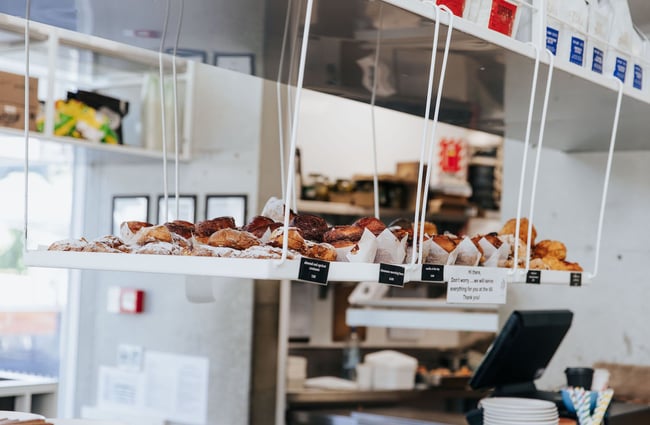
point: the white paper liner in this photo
(367, 249)
(499, 257)
(266, 237)
(390, 250)
(467, 254)
(274, 209)
(426, 249)
(438, 255)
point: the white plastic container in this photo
(599, 27)
(392, 370)
(566, 29)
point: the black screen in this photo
(523, 348)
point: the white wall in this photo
(609, 315)
(225, 157)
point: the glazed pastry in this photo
(445, 242)
(343, 233)
(181, 227)
(232, 238)
(76, 245)
(296, 241)
(548, 248)
(204, 229)
(152, 234)
(311, 226)
(373, 224)
(511, 226)
(128, 229)
(259, 224)
(320, 251)
(158, 248)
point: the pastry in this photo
(201, 250)
(152, 234)
(445, 242)
(538, 264)
(259, 225)
(548, 248)
(100, 247)
(204, 229)
(511, 226)
(158, 248)
(76, 245)
(492, 238)
(320, 251)
(311, 226)
(557, 264)
(128, 229)
(266, 252)
(373, 224)
(181, 227)
(114, 242)
(232, 238)
(343, 233)
(295, 239)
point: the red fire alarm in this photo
(131, 301)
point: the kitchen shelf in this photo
(582, 104)
(242, 267)
(338, 208)
(97, 150)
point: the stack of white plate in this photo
(518, 411)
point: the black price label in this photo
(315, 271)
(534, 277)
(576, 279)
(433, 273)
(391, 275)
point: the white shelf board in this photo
(233, 267)
(422, 319)
(581, 109)
(423, 303)
(102, 150)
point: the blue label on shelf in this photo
(597, 63)
(638, 77)
(621, 68)
(577, 50)
(552, 35)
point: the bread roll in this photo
(511, 226)
(373, 224)
(343, 233)
(232, 238)
(548, 248)
(204, 229)
(296, 241)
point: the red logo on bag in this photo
(502, 16)
(451, 153)
(456, 6)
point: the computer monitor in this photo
(522, 350)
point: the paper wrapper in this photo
(426, 249)
(266, 237)
(390, 250)
(438, 255)
(365, 250)
(494, 257)
(274, 209)
(467, 254)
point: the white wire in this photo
(163, 113)
(522, 178)
(278, 88)
(290, 112)
(176, 126)
(612, 143)
(538, 155)
(434, 124)
(294, 128)
(26, 121)
(425, 131)
(373, 99)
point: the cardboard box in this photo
(12, 100)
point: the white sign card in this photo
(476, 285)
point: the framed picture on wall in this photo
(235, 206)
(129, 208)
(192, 54)
(186, 208)
(240, 62)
